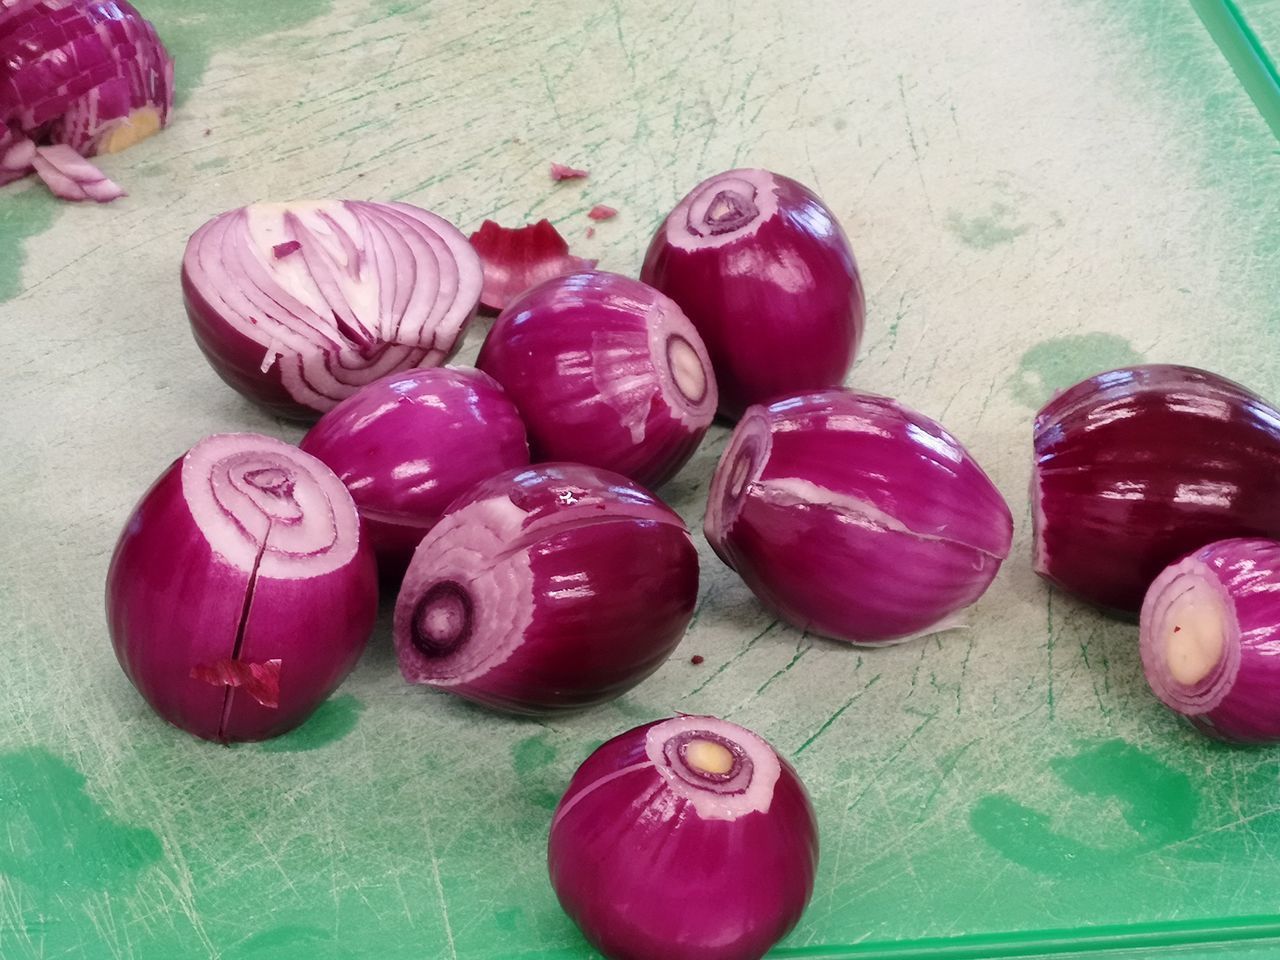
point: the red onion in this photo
(686, 839)
(518, 258)
(241, 592)
(1137, 467)
(605, 371)
(299, 305)
(856, 518)
(602, 211)
(765, 273)
(409, 444)
(550, 588)
(80, 77)
(560, 171)
(1210, 629)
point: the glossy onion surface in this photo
(409, 444)
(760, 265)
(856, 518)
(686, 839)
(299, 305)
(549, 588)
(605, 371)
(1137, 467)
(240, 593)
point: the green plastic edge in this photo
(1245, 53)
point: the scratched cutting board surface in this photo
(1036, 190)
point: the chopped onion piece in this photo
(561, 172)
(71, 177)
(602, 212)
(516, 259)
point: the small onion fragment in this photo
(79, 78)
(560, 171)
(241, 592)
(409, 444)
(762, 268)
(602, 212)
(605, 371)
(855, 517)
(517, 258)
(299, 305)
(685, 839)
(550, 588)
(1210, 628)
(1139, 466)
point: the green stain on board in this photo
(987, 230)
(334, 719)
(194, 30)
(1055, 364)
(56, 838)
(532, 753)
(1157, 806)
(24, 212)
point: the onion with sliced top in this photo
(545, 589)
(299, 305)
(605, 371)
(686, 839)
(79, 78)
(241, 592)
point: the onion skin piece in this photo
(855, 517)
(550, 588)
(518, 258)
(651, 865)
(411, 443)
(193, 585)
(1139, 466)
(762, 268)
(297, 306)
(605, 371)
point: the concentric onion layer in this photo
(762, 268)
(1209, 626)
(240, 593)
(605, 371)
(855, 517)
(544, 589)
(1135, 468)
(687, 839)
(299, 305)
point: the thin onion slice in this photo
(518, 258)
(299, 305)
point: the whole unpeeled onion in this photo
(241, 593)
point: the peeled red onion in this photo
(1137, 467)
(762, 268)
(299, 305)
(241, 593)
(549, 588)
(409, 444)
(79, 78)
(605, 371)
(1210, 629)
(686, 839)
(855, 517)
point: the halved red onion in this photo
(762, 268)
(685, 839)
(1137, 467)
(299, 305)
(1210, 629)
(82, 77)
(855, 517)
(605, 371)
(241, 593)
(550, 588)
(517, 258)
(409, 444)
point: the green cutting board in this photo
(1036, 190)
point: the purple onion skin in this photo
(780, 307)
(645, 874)
(175, 603)
(1139, 466)
(855, 517)
(577, 583)
(411, 443)
(587, 360)
(1237, 699)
